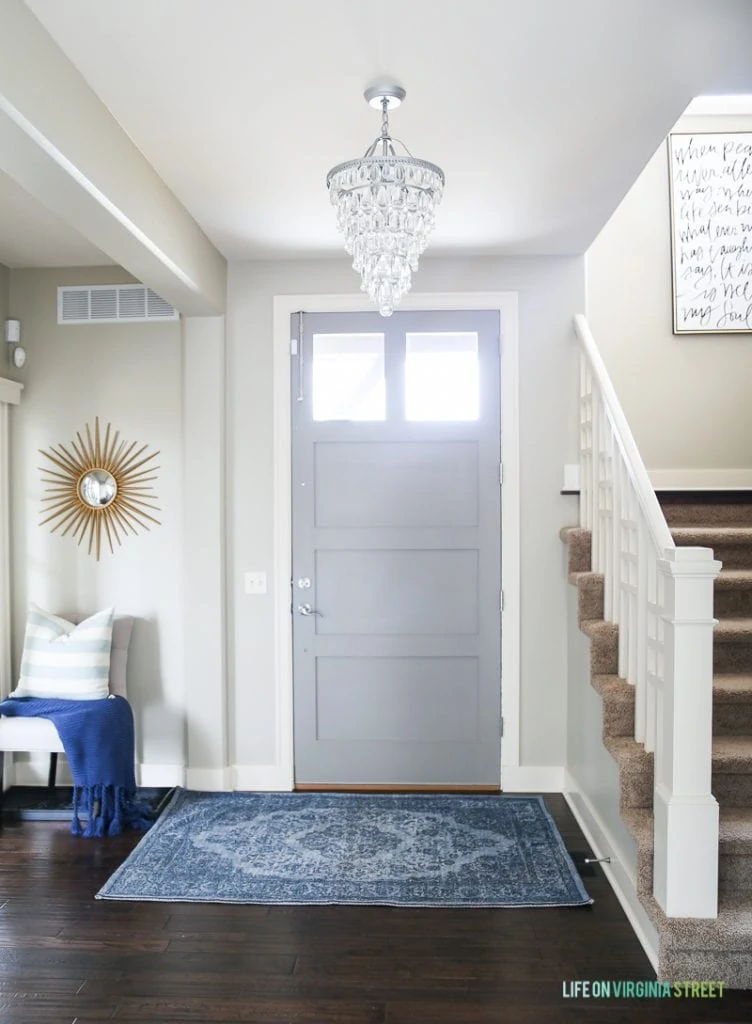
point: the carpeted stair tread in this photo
(614, 688)
(628, 754)
(734, 828)
(732, 593)
(732, 704)
(731, 930)
(729, 688)
(708, 508)
(730, 630)
(574, 534)
(732, 755)
(597, 629)
(734, 848)
(733, 579)
(708, 536)
(583, 574)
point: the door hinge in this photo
(293, 346)
(501, 472)
(501, 727)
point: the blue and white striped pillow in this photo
(64, 660)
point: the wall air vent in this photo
(111, 304)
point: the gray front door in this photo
(397, 549)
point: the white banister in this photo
(661, 597)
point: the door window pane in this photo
(441, 376)
(348, 377)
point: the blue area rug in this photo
(411, 850)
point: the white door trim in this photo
(284, 306)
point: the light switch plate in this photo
(255, 583)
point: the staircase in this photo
(690, 949)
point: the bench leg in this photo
(53, 770)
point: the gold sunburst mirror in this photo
(99, 487)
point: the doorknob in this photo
(305, 609)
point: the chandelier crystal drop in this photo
(386, 205)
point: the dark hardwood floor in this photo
(65, 957)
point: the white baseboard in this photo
(268, 777)
(248, 777)
(34, 773)
(161, 776)
(617, 872)
(545, 778)
(701, 479)
(210, 780)
(261, 777)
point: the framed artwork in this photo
(710, 186)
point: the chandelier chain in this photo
(384, 121)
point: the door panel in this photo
(398, 591)
(366, 699)
(412, 483)
(396, 549)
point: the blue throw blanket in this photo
(98, 740)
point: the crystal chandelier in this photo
(385, 208)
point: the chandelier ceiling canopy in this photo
(386, 205)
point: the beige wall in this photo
(134, 376)
(550, 292)
(130, 375)
(686, 397)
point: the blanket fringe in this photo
(109, 809)
(76, 821)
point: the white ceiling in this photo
(541, 112)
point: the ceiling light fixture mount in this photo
(376, 95)
(386, 205)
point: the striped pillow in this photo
(64, 660)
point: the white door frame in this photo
(284, 306)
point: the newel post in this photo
(685, 880)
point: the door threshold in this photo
(316, 787)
